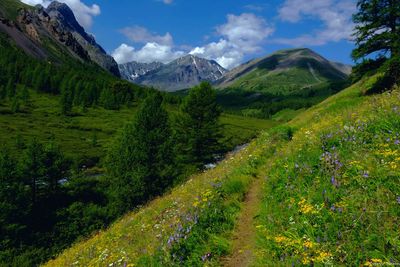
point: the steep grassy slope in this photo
(332, 195)
(331, 180)
(283, 73)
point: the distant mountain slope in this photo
(182, 73)
(132, 70)
(284, 72)
(52, 34)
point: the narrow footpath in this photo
(244, 235)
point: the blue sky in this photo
(229, 31)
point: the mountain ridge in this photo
(280, 63)
(181, 73)
(52, 33)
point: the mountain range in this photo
(282, 71)
(52, 34)
(182, 73)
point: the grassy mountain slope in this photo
(332, 194)
(307, 215)
(288, 79)
(283, 73)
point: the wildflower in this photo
(206, 257)
(306, 208)
(398, 199)
(308, 244)
(365, 174)
(334, 182)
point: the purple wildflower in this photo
(206, 257)
(398, 199)
(397, 142)
(365, 174)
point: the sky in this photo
(228, 31)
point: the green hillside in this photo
(283, 73)
(9, 8)
(330, 179)
(86, 135)
(288, 79)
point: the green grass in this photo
(240, 129)
(332, 194)
(9, 8)
(331, 197)
(75, 134)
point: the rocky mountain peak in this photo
(181, 73)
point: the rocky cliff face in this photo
(133, 70)
(54, 34)
(182, 73)
(62, 14)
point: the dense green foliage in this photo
(198, 130)
(140, 162)
(80, 84)
(377, 39)
(265, 105)
(378, 28)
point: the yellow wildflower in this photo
(306, 207)
(308, 244)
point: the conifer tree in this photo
(140, 162)
(377, 29)
(198, 129)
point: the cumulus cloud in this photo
(241, 35)
(141, 35)
(148, 53)
(84, 13)
(334, 14)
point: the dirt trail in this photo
(245, 232)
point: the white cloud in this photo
(148, 53)
(141, 35)
(334, 14)
(241, 35)
(84, 14)
(167, 2)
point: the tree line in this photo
(79, 84)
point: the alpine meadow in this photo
(199, 133)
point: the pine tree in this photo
(3, 92)
(10, 89)
(377, 29)
(24, 95)
(33, 167)
(66, 101)
(140, 162)
(198, 128)
(14, 202)
(15, 105)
